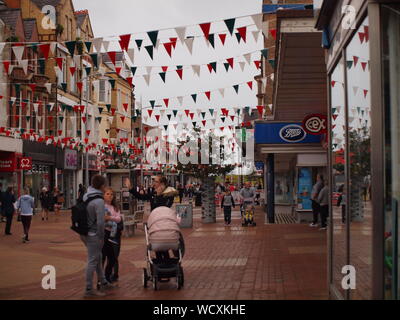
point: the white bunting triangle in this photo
(257, 18)
(265, 29)
(189, 44)
(149, 69)
(145, 118)
(181, 33)
(19, 52)
(242, 65)
(77, 61)
(2, 45)
(256, 35)
(48, 87)
(106, 45)
(97, 42)
(36, 107)
(196, 70)
(24, 65)
(247, 57)
(180, 99)
(131, 54)
(222, 92)
(146, 77)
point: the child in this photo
(114, 227)
(227, 203)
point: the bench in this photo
(131, 221)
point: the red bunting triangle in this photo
(191, 115)
(150, 112)
(32, 86)
(258, 64)
(122, 118)
(250, 84)
(82, 108)
(355, 60)
(206, 29)
(118, 70)
(105, 141)
(222, 37)
(363, 65)
(124, 41)
(113, 111)
(157, 117)
(222, 128)
(173, 41)
(187, 113)
(230, 61)
(166, 101)
(204, 122)
(210, 68)
(333, 84)
(88, 132)
(243, 32)
(113, 56)
(168, 48)
(362, 36)
(59, 132)
(6, 66)
(232, 118)
(126, 106)
(80, 86)
(273, 33)
(260, 110)
(60, 63)
(130, 80)
(72, 70)
(84, 119)
(180, 73)
(164, 69)
(365, 93)
(45, 49)
(366, 32)
(208, 94)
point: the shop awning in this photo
(300, 80)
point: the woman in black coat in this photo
(161, 197)
(7, 202)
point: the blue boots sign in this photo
(283, 133)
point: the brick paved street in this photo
(285, 261)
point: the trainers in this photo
(313, 224)
(107, 286)
(93, 293)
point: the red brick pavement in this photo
(265, 262)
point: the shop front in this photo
(94, 166)
(364, 84)
(42, 172)
(293, 159)
(67, 166)
(10, 172)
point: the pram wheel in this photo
(145, 278)
(180, 279)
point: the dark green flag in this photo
(71, 45)
(236, 87)
(230, 23)
(94, 57)
(112, 82)
(211, 39)
(133, 70)
(227, 65)
(64, 86)
(88, 45)
(150, 51)
(153, 35)
(139, 43)
(194, 96)
(162, 75)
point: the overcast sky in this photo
(117, 17)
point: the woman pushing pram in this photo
(163, 236)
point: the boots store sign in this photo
(283, 133)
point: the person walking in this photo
(25, 207)
(57, 200)
(314, 199)
(323, 200)
(44, 198)
(94, 240)
(181, 191)
(112, 219)
(7, 206)
(2, 214)
(163, 196)
(81, 192)
(227, 203)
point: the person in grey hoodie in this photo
(25, 206)
(323, 200)
(95, 239)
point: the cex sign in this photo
(25, 163)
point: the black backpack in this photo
(79, 216)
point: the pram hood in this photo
(163, 225)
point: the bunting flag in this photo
(150, 51)
(194, 96)
(45, 49)
(273, 33)
(226, 65)
(48, 87)
(256, 35)
(168, 47)
(153, 35)
(211, 40)
(94, 57)
(152, 103)
(230, 23)
(205, 27)
(124, 42)
(250, 84)
(97, 43)
(258, 63)
(88, 45)
(113, 57)
(112, 82)
(208, 95)
(222, 37)
(181, 32)
(196, 70)
(243, 33)
(180, 73)
(71, 47)
(265, 53)
(139, 43)
(189, 44)
(72, 70)
(166, 102)
(6, 65)
(18, 52)
(230, 61)
(133, 70)
(162, 75)
(238, 37)
(236, 87)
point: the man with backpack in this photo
(94, 238)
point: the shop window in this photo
(391, 79)
(338, 187)
(359, 139)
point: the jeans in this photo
(324, 215)
(94, 247)
(8, 223)
(316, 211)
(26, 223)
(227, 214)
(109, 254)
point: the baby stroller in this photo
(162, 236)
(247, 212)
